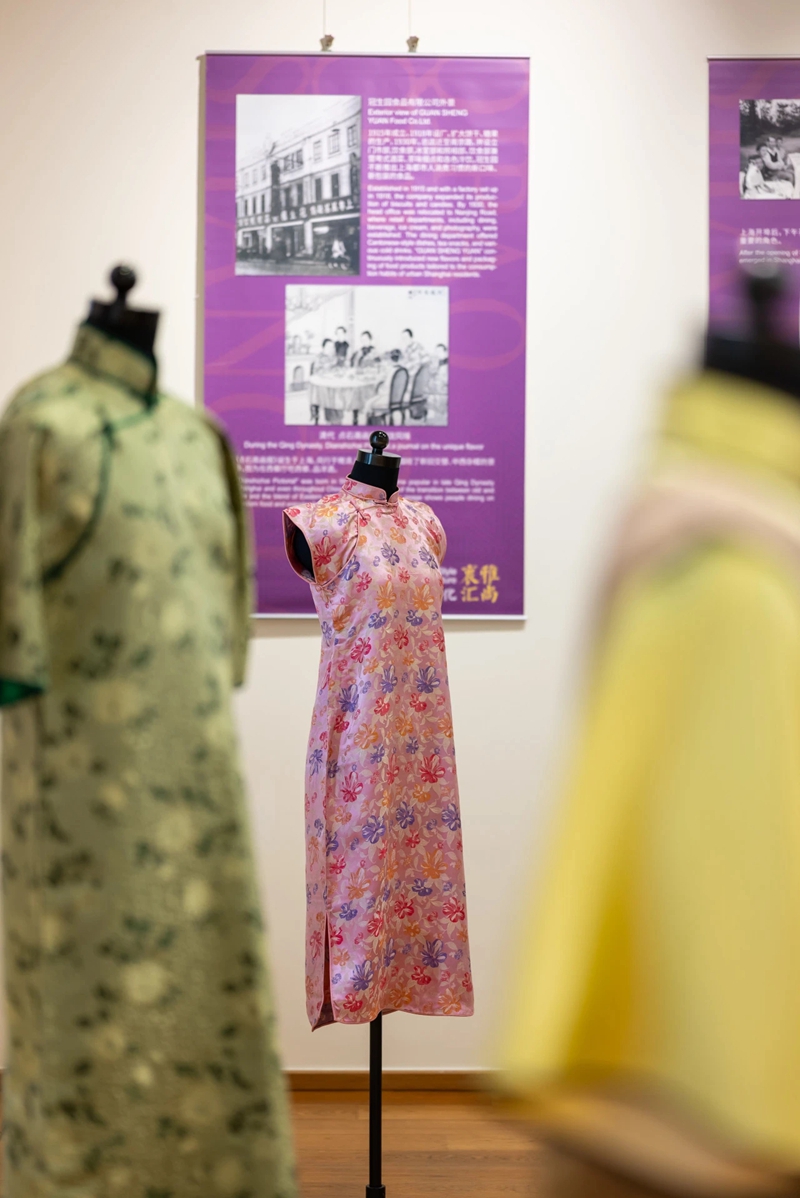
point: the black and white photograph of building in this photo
(769, 146)
(298, 185)
(368, 355)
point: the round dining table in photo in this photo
(337, 392)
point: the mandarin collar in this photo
(363, 491)
(111, 359)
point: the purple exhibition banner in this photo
(754, 141)
(365, 237)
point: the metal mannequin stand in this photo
(375, 1189)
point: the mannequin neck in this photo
(772, 364)
(136, 328)
(382, 477)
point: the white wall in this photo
(98, 153)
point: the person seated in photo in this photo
(341, 346)
(325, 359)
(438, 386)
(776, 164)
(771, 172)
(412, 353)
(753, 185)
(365, 355)
(439, 370)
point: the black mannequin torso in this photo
(302, 551)
(136, 327)
(375, 469)
(763, 357)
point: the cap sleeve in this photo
(23, 641)
(437, 538)
(244, 595)
(330, 528)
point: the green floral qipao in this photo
(141, 1060)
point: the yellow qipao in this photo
(656, 1013)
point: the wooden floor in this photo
(436, 1145)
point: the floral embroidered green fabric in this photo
(141, 1056)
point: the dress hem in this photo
(316, 1026)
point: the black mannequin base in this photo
(375, 1189)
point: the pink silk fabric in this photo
(386, 906)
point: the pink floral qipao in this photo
(385, 874)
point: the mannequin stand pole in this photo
(375, 1189)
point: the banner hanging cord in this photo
(326, 41)
(412, 41)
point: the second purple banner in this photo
(365, 267)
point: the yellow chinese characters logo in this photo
(478, 584)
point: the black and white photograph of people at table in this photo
(769, 143)
(367, 355)
(298, 185)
